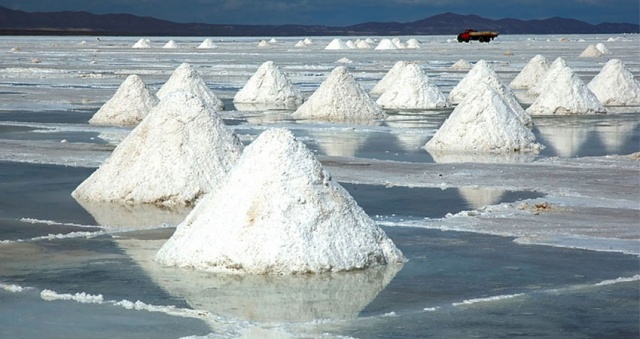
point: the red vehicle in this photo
(472, 34)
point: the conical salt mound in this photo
(565, 93)
(412, 90)
(385, 44)
(186, 78)
(337, 44)
(340, 98)
(591, 52)
(170, 44)
(461, 65)
(300, 44)
(615, 85)
(532, 72)
(179, 152)
(142, 43)
(363, 45)
(602, 48)
(483, 73)
(483, 122)
(207, 43)
(413, 44)
(388, 78)
(128, 106)
(269, 86)
(278, 212)
(539, 87)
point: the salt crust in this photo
(615, 85)
(179, 152)
(186, 78)
(142, 43)
(388, 78)
(532, 72)
(340, 98)
(207, 43)
(591, 52)
(412, 90)
(128, 106)
(336, 44)
(483, 73)
(565, 93)
(483, 122)
(269, 86)
(544, 81)
(278, 212)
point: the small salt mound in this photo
(532, 72)
(363, 45)
(350, 44)
(307, 41)
(385, 44)
(388, 78)
(565, 94)
(369, 41)
(396, 42)
(336, 44)
(142, 43)
(263, 43)
(131, 102)
(186, 78)
(412, 90)
(300, 44)
(591, 52)
(602, 48)
(340, 98)
(179, 152)
(413, 44)
(278, 212)
(461, 65)
(170, 44)
(207, 43)
(269, 86)
(273, 41)
(615, 85)
(483, 122)
(344, 61)
(544, 81)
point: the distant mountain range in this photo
(14, 22)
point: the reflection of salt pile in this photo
(461, 65)
(270, 87)
(170, 44)
(483, 122)
(340, 98)
(565, 140)
(207, 43)
(131, 102)
(565, 93)
(388, 78)
(615, 85)
(412, 90)
(339, 143)
(385, 44)
(177, 153)
(478, 198)
(591, 52)
(278, 212)
(483, 73)
(186, 78)
(602, 48)
(532, 72)
(118, 216)
(615, 135)
(337, 44)
(142, 43)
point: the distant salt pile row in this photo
(308, 223)
(268, 88)
(384, 44)
(595, 51)
(171, 44)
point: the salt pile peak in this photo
(544, 81)
(170, 44)
(412, 90)
(591, 52)
(142, 43)
(615, 85)
(336, 44)
(532, 72)
(207, 43)
(413, 44)
(388, 78)
(483, 122)
(179, 152)
(565, 93)
(340, 98)
(269, 86)
(278, 212)
(186, 78)
(385, 44)
(128, 106)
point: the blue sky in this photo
(341, 12)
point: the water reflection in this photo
(116, 215)
(479, 197)
(615, 135)
(444, 157)
(566, 140)
(339, 142)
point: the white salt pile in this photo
(362, 44)
(170, 44)
(300, 44)
(544, 81)
(396, 42)
(278, 212)
(344, 61)
(602, 48)
(336, 44)
(269, 86)
(350, 44)
(483, 122)
(128, 106)
(388, 78)
(615, 85)
(591, 52)
(179, 152)
(142, 43)
(413, 44)
(207, 43)
(308, 41)
(340, 98)
(565, 93)
(412, 90)
(532, 72)
(273, 41)
(263, 43)
(186, 78)
(385, 44)
(461, 65)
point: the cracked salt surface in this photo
(560, 259)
